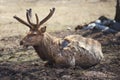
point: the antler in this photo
(29, 16)
(37, 19)
(47, 17)
(22, 21)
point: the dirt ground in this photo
(17, 63)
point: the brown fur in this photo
(77, 50)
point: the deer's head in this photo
(36, 33)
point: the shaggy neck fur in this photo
(46, 47)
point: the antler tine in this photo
(22, 21)
(47, 17)
(29, 15)
(30, 12)
(37, 19)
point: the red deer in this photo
(61, 52)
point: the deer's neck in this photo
(46, 48)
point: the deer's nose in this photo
(21, 42)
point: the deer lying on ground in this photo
(61, 52)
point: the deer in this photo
(70, 51)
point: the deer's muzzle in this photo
(24, 46)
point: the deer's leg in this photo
(65, 61)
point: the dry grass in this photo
(69, 13)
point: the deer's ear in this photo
(43, 29)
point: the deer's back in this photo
(87, 43)
(87, 51)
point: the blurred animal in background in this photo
(103, 24)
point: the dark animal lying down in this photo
(103, 24)
(61, 52)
